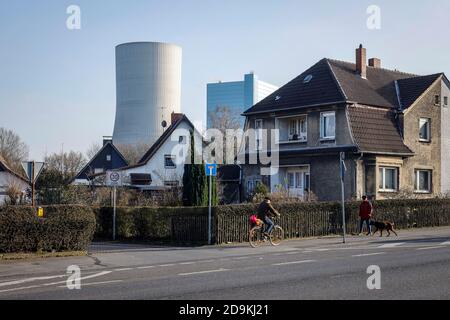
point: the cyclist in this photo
(265, 211)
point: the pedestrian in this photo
(365, 214)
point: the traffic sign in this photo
(211, 169)
(113, 179)
(32, 169)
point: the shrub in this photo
(65, 228)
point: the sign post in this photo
(211, 171)
(114, 179)
(32, 170)
(343, 169)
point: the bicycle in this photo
(256, 237)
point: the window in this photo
(181, 140)
(98, 170)
(298, 129)
(424, 130)
(445, 101)
(108, 158)
(328, 125)
(258, 133)
(169, 162)
(423, 181)
(251, 186)
(388, 179)
(437, 99)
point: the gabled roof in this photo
(6, 168)
(374, 131)
(335, 82)
(108, 144)
(412, 88)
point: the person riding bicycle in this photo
(265, 212)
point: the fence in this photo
(231, 223)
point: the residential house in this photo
(392, 127)
(9, 179)
(107, 158)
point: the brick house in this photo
(393, 127)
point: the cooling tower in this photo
(148, 90)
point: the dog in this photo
(381, 226)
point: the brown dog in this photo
(381, 226)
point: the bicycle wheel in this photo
(277, 236)
(255, 237)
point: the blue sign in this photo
(211, 169)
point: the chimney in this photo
(175, 117)
(375, 62)
(107, 139)
(361, 61)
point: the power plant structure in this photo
(148, 90)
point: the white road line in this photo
(392, 245)
(446, 243)
(166, 265)
(291, 253)
(11, 283)
(123, 269)
(20, 288)
(208, 261)
(146, 267)
(293, 262)
(241, 258)
(368, 254)
(429, 248)
(187, 263)
(202, 272)
(95, 283)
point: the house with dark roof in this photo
(162, 166)
(10, 178)
(107, 158)
(392, 127)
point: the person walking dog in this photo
(365, 214)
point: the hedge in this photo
(64, 228)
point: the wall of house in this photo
(6, 179)
(445, 140)
(155, 166)
(427, 154)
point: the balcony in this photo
(292, 129)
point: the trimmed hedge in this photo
(64, 228)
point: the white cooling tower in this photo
(148, 90)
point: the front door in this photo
(298, 182)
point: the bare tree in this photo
(93, 150)
(12, 149)
(68, 164)
(133, 153)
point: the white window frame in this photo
(302, 135)
(427, 121)
(383, 178)
(173, 158)
(417, 178)
(323, 116)
(258, 134)
(108, 158)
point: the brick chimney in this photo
(175, 117)
(375, 62)
(361, 61)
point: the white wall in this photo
(445, 141)
(6, 179)
(155, 166)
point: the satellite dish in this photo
(164, 124)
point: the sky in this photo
(57, 86)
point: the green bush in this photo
(64, 228)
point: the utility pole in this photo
(343, 169)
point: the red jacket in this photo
(365, 210)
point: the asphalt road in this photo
(416, 265)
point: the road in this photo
(415, 265)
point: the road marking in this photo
(446, 243)
(4, 284)
(391, 245)
(241, 258)
(429, 248)
(20, 288)
(202, 272)
(292, 253)
(368, 254)
(208, 261)
(146, 267)
(187, 263)
(293, 262)
(123, 269)
(166, 265)
(96, 283)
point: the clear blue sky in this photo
(58, 86)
